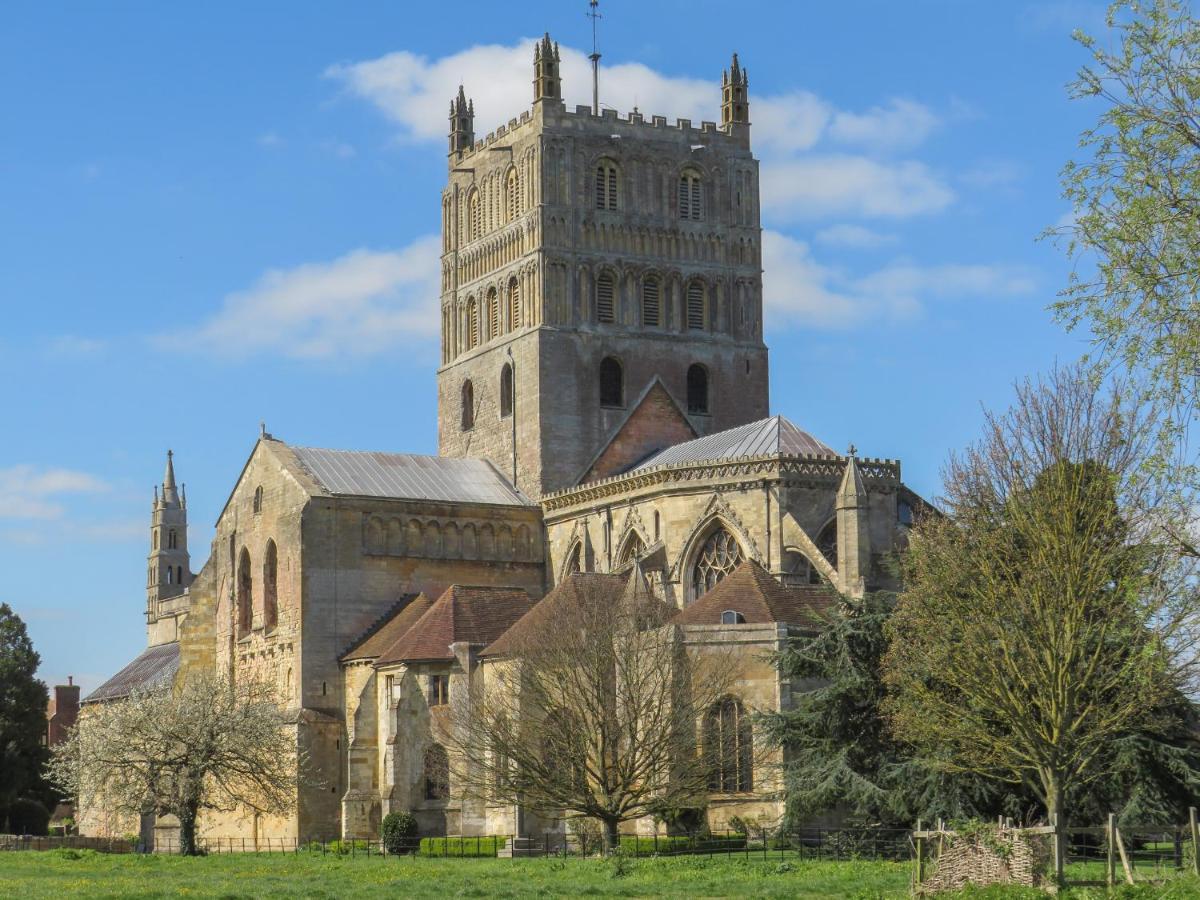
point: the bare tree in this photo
(1045, 614)
(203, 745)
(593, 708)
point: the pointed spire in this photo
(853, 490)
(170, 493)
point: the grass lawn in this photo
(29, 875)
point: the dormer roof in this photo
(760, 599)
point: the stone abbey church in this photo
(603, 401)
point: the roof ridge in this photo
(382, 620)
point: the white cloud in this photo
(901, 124)
(820, 186)
(799, 290)
(993, 173)
(853, 236)
(360, 304)
(270, 139)
(33, 492)
(74, 346)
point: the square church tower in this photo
(586, 256)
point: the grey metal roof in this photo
(152, 667)
(407, 476)
(767, 437)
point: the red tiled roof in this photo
(761, 599)
(380, 637)
(476, 615)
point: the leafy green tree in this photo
(1041, 621)
(1135, 234)
(23, 700)
(840, 753)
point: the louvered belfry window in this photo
(651, 303)
(691, 197)
(605, 310)
(472, 323)
(606, 186)
(695, 306)
(493, 314)
(514, 304)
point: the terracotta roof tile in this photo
(761, 599)
(476, 615)
(392, 626)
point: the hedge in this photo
(484, 845)
(681, 843)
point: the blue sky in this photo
(215, 214)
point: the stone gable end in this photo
(657, 422)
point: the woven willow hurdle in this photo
(995, 855)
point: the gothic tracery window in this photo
(827, 544)
(728, 747)
(719, 555)
(574, 561)
(633, 549)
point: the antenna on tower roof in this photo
(593, 13)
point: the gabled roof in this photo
(475, 615)
(154, 666)
(545, 616)
(654, 421)
(761, 599)
(407, 476)
(775, 436)
(389, 628)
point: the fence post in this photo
(1195, 829)
(920, 842)
(1111, 834)
(1058, 851)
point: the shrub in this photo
(398, 832)
(586, 833)
(484, 845)
(26, 816)
(342, 848)
(637, 845)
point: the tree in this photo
(23, 700)
(593, 710)
(1041, 619)
(1136, 203)
(840, 753)
(204, 744)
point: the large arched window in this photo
(697, 389)
(245, 594)
(436, 773)
(512, 195)
(606, 184)
(606, 308)
(468, 405)
(270, 589)
(472, 323)
(719, 555)
(493, 312)
(691, 195)
(697, 307)
(728, 747)
(506, 390)
(633, 549)
(612, 382)
(651, 301)
(514, 304)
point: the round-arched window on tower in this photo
(468, 405)
(719, 555)
(612, 382)
(506, 391)
(697, 389)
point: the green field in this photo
(28, 875)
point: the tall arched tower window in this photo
(472, 323)
(512, 195)
(474, 216)
(493, 307)
(651, 301)
(697, 389)
(245, 594)
(514, 304)
(506, 390)
(270, 590)
(172, 539)
(605, 298)
(719, 555)
(729, 747)
(468, 405)
(691, 195)
(612, 382)
(697, 307)
(606, 184)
